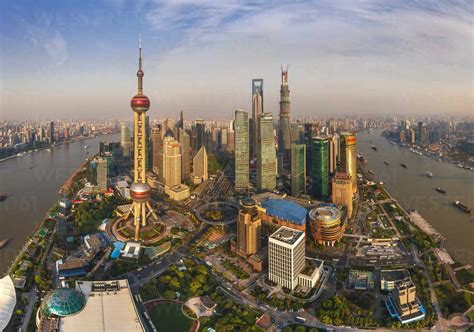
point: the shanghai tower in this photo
(284, 138)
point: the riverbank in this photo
(33, 190)
(67, 185)
(52, 146)
(413, 190)
(46, 218)
(463, 163)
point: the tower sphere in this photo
(140, 191)
(140, 103)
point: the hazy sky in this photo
(78, 59)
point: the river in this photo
(413, 189)
(32, 183)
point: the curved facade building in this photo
(326, 225)
(7, 301)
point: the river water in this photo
(413, 189)
(32, 191)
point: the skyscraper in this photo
(342, 191)
(140, 189)
(248, 227)
(284, 136)
(266, 154)
(257, 109)
(319, 171)
(156, 145)
(171, 160)
(148, 147)
(185, 142)
(51, 132)
(102, 174)
(223, 139)
(230, 137)
(200, 134)
(348, 157)
(309, 133)
(241, 150)
(298, 169)
(332, 141)
(419, 133)
(200, 165)
(125, 141)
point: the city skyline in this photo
(200, 57)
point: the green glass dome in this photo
(62, 302)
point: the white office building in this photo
(286, 256)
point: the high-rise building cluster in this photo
(300, 158)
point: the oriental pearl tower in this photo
(140, 190)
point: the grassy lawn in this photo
(464, 277)
(451, 301)
(168, 317)
(471, 316)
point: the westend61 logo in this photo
(13, 203)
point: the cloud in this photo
(49, 40)
(407, 54)
(56, 48)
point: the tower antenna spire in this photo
(140, 73)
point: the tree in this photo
(174, 283)
(169, 294)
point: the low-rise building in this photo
(310, 274)
(7, 301)
(326, 224)
(361, 280)
(92, 306)
(178, 193)
(403, 304)
(281, 212)
(132, 250)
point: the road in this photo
(31, 301)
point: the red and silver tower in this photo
(140, 190)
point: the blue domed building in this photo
(61, 302)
